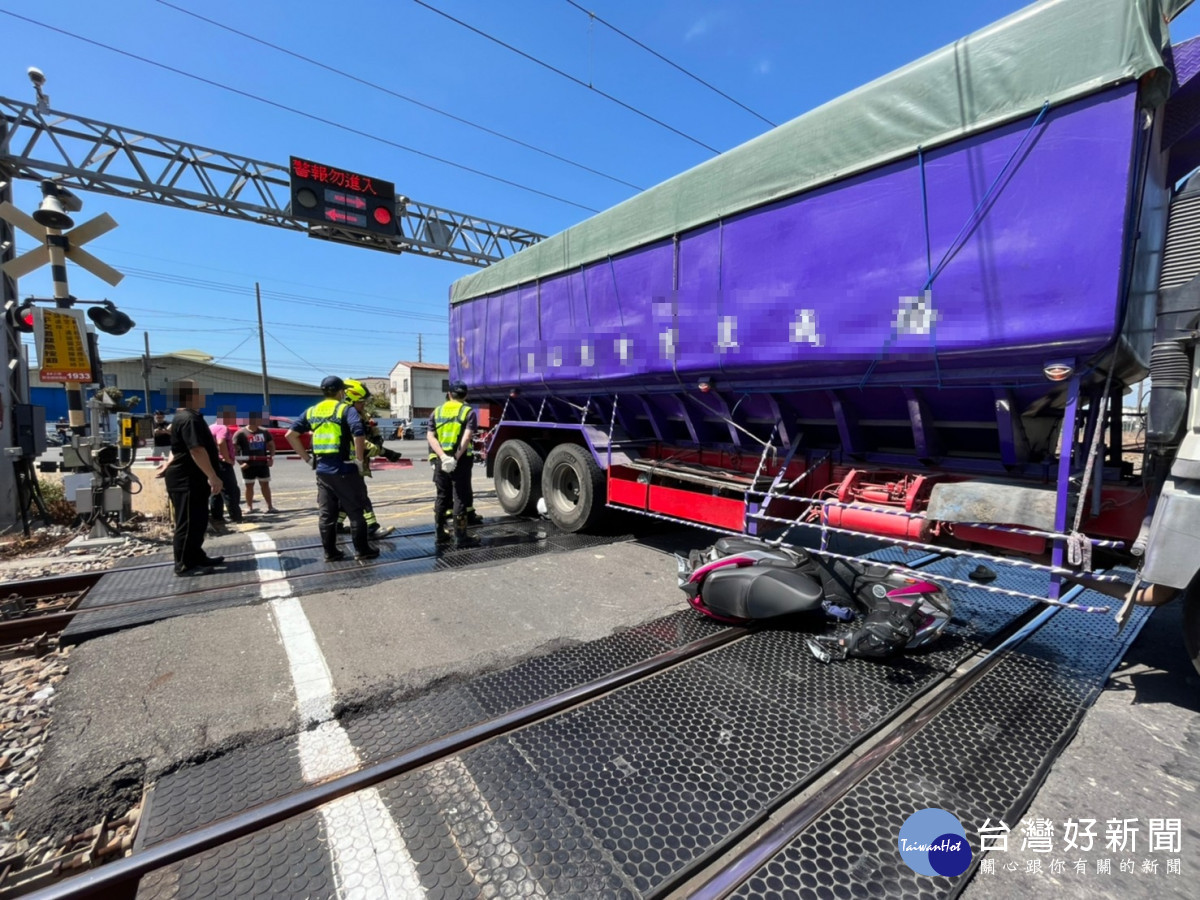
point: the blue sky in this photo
(332, 308)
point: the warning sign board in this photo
(62, 345)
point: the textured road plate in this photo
(409, 551)
(976, 759)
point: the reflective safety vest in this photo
(326, 419)
(448, 421)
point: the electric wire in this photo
(291, 351)
(568, 76)
(249, 277)
(378, 87)
(657, 55)
(299, 299)
(299, 112)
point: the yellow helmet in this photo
(356, 391)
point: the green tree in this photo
(377, 406)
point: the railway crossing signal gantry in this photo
(88, 155)
(83, 154)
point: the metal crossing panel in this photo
(621, 795)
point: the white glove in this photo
(449, 464)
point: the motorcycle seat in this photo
(760, 592)
(768, 555)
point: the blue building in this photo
(222, 385)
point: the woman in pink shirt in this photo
(231, 496)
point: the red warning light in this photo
(383, 215)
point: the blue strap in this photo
(954, 245)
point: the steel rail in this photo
(252, 579)
(49, 585)
(753, 857)
(54, 620)
(123, 874)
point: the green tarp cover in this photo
(1055, 50)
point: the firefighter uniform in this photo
(357, 393)
(448, 425)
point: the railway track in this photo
(698, 769)
(38, 606)
(48, 605)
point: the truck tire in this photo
(573, 486)
(518, 478)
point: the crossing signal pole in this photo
(64, 352)
(47, 224)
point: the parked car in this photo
(278, 428)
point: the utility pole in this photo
(262, 350)
(10, 350)
(420, 358)
(146, 372)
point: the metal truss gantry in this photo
(103, 158)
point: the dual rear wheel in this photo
(568, 479)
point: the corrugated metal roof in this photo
(213, 376)
(441, 367)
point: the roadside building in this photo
(222, 385)
(379, 386)
(417, 388)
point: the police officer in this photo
(339, 457)
(451, 428)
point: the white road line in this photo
(270, 567)
(369, 855)
(473, 824)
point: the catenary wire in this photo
(657, 55)
(300, 112)
(568, 76)
(378, 87)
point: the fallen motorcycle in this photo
(739, 580)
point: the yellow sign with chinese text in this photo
(62, 345)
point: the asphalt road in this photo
(142, 702)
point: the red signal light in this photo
(383, 215)
(20, 316)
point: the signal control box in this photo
(129, 431)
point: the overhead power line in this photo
(657, 55)
(299, 112)
(568, 76)
(399, 96)
(285, 296)
(293, 352)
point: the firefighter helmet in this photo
(356, 391)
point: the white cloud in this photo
(698, 29)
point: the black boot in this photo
(461, 538)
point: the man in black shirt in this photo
(162, 430)
(191, 477)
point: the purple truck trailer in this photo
(912, 313)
